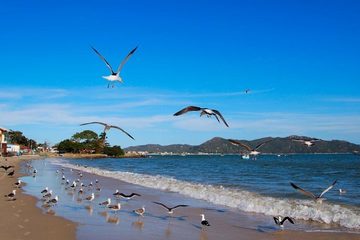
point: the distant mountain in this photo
(277, 145)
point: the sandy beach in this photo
(21, 219)
(87, 220)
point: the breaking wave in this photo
(247, 201)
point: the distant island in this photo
(278, 145)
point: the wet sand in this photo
(95, 221)
(21, 219)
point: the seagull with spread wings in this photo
(318, 198)
(115, 76)
(252, 151)
(203, 111)
(107, 127)
(308, 143)
(170, 209)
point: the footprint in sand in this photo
(26, 220)
(27, 233)
(21, 226)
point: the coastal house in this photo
(3, 140)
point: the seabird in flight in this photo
(108, 126)
(252, 151)
(130, 196)
(170, 209)
(308, 143)
(310, 194)
(10, 174)
(203, 221)
(280, 220)
(204, 111)
(114, 76)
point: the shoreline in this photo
(22, 219)
(234, 224)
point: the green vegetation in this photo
(89, 142)
(17, 137)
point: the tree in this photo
(17, 137)
(85, 136)
(114, 151)
(69, 146)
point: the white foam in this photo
(243, 200)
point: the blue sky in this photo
(299, 58)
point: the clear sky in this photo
(299, 58)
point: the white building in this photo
(3, 140)
(13, 148)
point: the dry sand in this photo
(21, 219)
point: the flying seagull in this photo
(130, 196)
(203, 221)
(107, 127)
(308, 143)
(170, 209)
(280, 220)
(204, 111)
(11, 173)
(310, 194)
(115, 76)
(6, 167)
(252, 151)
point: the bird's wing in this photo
(181, 205)
(237, 143)
(93, 123)
(309, 194)
(217, 118)
(276, 220)
(187, 109)
(261, 144)
(102, 58)
(123, 131)
(219, 114)
(161, 204)
(328, 189)
(135, 194)
(125, 60)
(287, 218)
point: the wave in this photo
(240, 199)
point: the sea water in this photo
(256, 186)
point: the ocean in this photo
(259, 186)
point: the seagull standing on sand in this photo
(105, 203)
(252, 151)
(45, 190)
(48, 194)
(203, 111)
(91, 197)
(54, 200)
(108, 126)
(170, 209)
(203, 221)
(115, 76)
(18, 183)
(140, 211)
(115, 207)
(318, 198)
(11, 195)
(280, 220)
